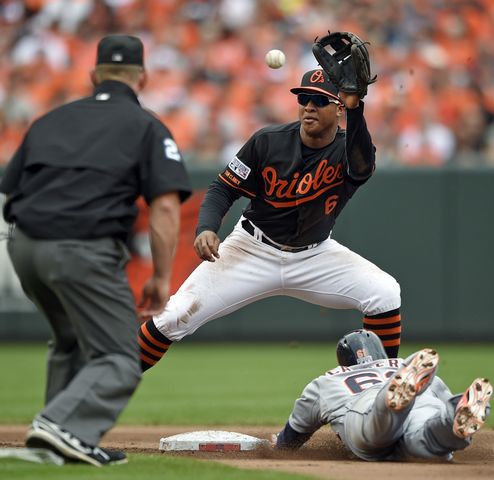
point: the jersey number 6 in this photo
(330, 204)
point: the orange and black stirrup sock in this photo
(387, 326)
(152, 343)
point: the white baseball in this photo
(275, 58)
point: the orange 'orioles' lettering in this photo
(325, 176)
(276, 187)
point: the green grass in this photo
(220, 384)
(149, 467)
(204, 384)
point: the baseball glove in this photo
(349, 66)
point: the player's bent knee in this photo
(392, 291)
(181, 317)
(385, 296)
(173, 330)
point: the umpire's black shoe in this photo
(46, 434)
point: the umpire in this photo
(71, 189)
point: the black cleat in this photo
(46, 434)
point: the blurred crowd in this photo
(433, 104)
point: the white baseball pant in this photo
(329, 275)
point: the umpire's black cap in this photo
(317, 81)
(120, 50)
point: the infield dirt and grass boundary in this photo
(323, 457)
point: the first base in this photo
(210, 441)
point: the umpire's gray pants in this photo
(93, 365)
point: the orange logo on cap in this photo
(317, 77)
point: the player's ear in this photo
(340, 109)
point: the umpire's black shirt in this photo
(81, 167)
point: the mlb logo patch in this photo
(239, 168)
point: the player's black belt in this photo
(249, 228)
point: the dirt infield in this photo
(323, 456)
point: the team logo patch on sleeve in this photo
(239, 168)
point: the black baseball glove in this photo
(349, 66)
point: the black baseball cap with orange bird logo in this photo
(317, 82)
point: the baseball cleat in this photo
(471, 410)
(412, 379)
(49, 435)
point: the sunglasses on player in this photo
(318, 100)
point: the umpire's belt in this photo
(256, 233)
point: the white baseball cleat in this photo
(412, 379)
(471, 410)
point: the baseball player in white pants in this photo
(298, 176)
(387, 409)
(248, 270)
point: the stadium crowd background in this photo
(433, 104)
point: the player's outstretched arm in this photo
(361, 153)
(290, 439)
(345, 58)
(206, 245)
(304, 420)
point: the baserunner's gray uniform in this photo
(352, 400)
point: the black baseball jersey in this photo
(296, 193)
(81, 167)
